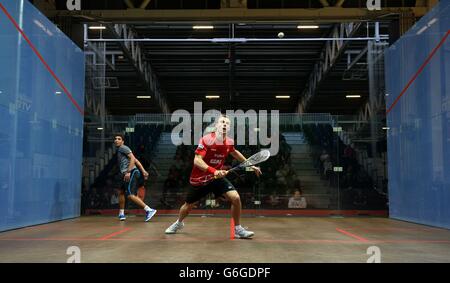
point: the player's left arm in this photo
(135, 161)
(141, 168)
(241, 158)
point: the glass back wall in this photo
(322, 164)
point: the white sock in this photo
(237, 227)
(146, 208)
(122, 211)
(178, 222)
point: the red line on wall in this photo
(422, 67)
(38, 54)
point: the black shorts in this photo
(136, 181)
(218, 187)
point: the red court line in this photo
(411, 241)
(361, 239)
(114, 234)
(50, 239)
(422, 67)
(388, 229)
(38, 54)
(259, 240)
(232, 229)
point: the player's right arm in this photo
(200, 163)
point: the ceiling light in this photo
(353, 96)
(99, 129)
(212, 96)
(143, 96)
(97, 27)
(283, 96)
(307, 27)
(203, 27)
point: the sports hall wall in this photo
(418, 65)
(41, 128)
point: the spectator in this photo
(349, 155)
(349, 151)
(282, 175)
(274, 200)
(297, 200)
(324, 156)
(327, 168)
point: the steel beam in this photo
(236, 40)
(322, 15)
(135, 53)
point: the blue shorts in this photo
(136, 181)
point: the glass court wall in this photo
(41, 129)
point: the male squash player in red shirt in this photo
(207, 176)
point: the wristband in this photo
(211, 170)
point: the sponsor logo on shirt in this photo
(214, 161)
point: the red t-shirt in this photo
(214, 154)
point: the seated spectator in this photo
(349, 156)
(282, 175)
(327, 167)
(324, 155)
(297, 200)
(274, 200)
(349, 151)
